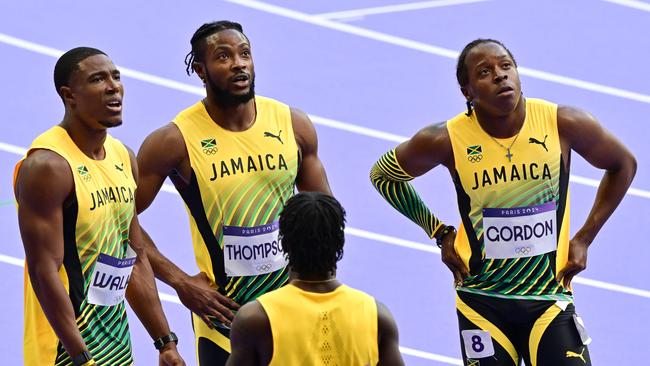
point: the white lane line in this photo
(430, 356)
(360, 13)
(612, 287)
(138, 75)
(365, 131)
(174, 299)
(12, 149)
(12, 260)
(434, 50)
(639, 5)
(391, 240)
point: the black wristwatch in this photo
(162, 341)
(81, 358)
(443, 232)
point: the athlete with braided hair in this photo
(331, 323)
(512, 258)
(235, 158)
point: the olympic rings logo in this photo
(475, 158)
(523, 250)
(210, 151)
(263, 267)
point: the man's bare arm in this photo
(43, 184)
(581, 132)
(389, 354)
(251, 340)
(142, 293)
(311, 172)
(391, 175)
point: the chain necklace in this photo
(509, 155)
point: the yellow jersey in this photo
(337, 328)
(96, 224)
(513, 198)
(239, 184)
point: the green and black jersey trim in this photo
(392, 182)
(518, 278)
(192, 198)
(105, 329)
(240, 289)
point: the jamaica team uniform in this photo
(97, 258)
(514, 238)
(335, 328)
(239, 184)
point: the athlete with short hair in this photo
(512, 258)
(76, 189)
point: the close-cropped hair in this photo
(69, 62)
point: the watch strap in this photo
(443, 232)
(83, 359)
(162, 341)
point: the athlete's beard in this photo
(227, 99)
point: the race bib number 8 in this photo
(251, 251)
(519, 231)
(478, 343)
(109, 280)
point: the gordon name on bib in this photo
(519, 231)
(251, 251)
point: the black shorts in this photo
(501, 332)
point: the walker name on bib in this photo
(109, 280)
(519, 231)
(251, 251)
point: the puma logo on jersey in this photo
(120, 167)
(570, 354)
(533, 140)
(269, 134)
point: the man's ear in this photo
(67, 96)
(199, 69)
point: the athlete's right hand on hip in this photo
(200, 295)
(452, 260)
